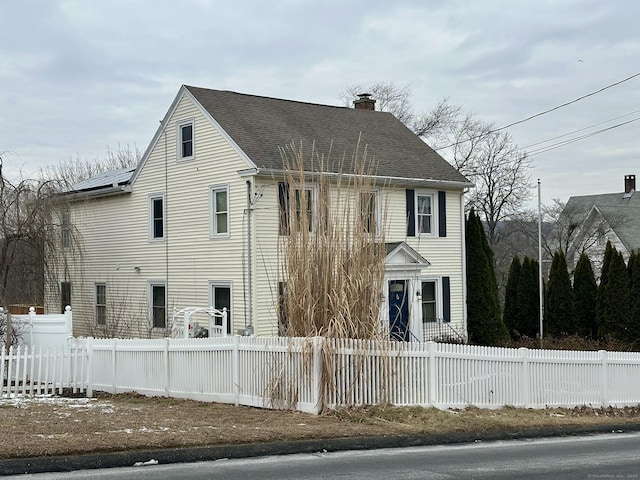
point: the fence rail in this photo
(316, 373)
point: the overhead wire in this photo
(531, 117)
(576, 139)
(578, 130)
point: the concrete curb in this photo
(70, 463)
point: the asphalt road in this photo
(610, 456)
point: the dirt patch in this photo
(59, 425)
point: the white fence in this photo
(311, 374)
(51, 331)
(34, 371)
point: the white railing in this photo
(312, 374)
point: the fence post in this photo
(604, 378)
(113, 366)
(525, 401)
(167, 370)
(431, 373)
(235, 367)
(68, 320)
(89, 346)
(317, 374)
(32, 315)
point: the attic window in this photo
(185, 146)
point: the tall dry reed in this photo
(332, 261)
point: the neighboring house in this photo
(613, 217)
(173, 233)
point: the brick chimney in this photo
(364, 102)
(629, 183)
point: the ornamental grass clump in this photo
(332, 260)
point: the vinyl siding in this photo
(115, 231)
(115, 239)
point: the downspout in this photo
(248, 329)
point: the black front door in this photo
(398, 310)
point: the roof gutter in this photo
(98, 192)
(388, 180)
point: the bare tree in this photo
(489, 158)
(25, 220)
(73, 170)
(396, 99)
(500, 172)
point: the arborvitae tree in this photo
(510, 316)
(604, 276)
(584, 297)
(528, 320)
(616, 301)
(633, 267)
(559, 308)
(483, 305)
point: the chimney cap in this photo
(364, 95)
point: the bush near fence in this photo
(317, 373)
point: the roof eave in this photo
(388, 180)
(97, 192)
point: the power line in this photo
(576, 131)
(576, 139)
(544, 112)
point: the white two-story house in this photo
(197, 223)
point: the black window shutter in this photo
(446, 299)
(442, 214)
(411, 213)
(283, 202)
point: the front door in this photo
(399, 310)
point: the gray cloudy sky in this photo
(79, 76)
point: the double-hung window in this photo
(429, 301)
(158, 304)
(156, 217)
(424, 213)
(220, 210)
(185, 140)
(436, 299)
(101, 304)
(369, 211)
(65, 224)
(296, 209)
(303, 205)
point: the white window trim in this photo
(212, 191)
(439, 299)
(179, 125)
(152, 197)
(377, 210)
(314, 206)
(96, 305)
(434, 213)
(65, 228)
(226, 284)
(150, 285)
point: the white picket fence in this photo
(311, 374)
(33, 371)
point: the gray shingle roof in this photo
(262, 125)
(622, 213)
